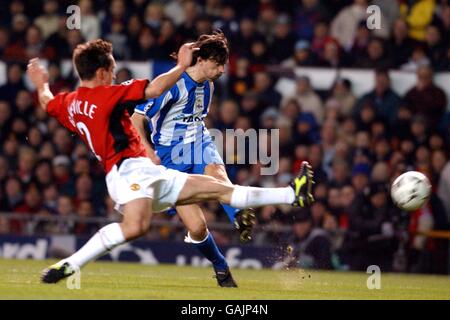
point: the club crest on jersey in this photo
(127, 83)
(199, 103)
(135, 187)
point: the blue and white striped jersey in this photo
(177, 115)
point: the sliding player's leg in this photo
(136, 221)
(199, 235)
(243, 219)
(198, 188)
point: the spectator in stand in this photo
(282, 45)
(48, 22)
(32, 47)
(418, 59)
(227, 22)
(229, 112)
(348, 195)
(117, 12)
(72, 40)
(133, 30)
(361, 41)
(90, 23)
(42, 174)
(26, 162)
(385, 100)
(19, 26)
(426, 98)
(315, 156)
(258, 56)
(56, 80)
(204, 25)
(4, 40)
(32, 204)
(340, 173)
(307, 130)
(302, 57)
(267, 19)
(360, 177)
(14, 193)
(443, 190)
(344, 25)
(247, 34)
(240, 80)
(168, 41)
(309, 247)
(342, 94)
(82, 227)
(262, 87)
(400, 45)
(308, 14)
(14, 83)
(419, 14)
(370, 237)
(118, 38)
(62, 172)
(64, 212)
(5, 120)
(187, 28)
(434, 46)
(321, 37)
(333, 56)
(376, 56)
(148, 48)
(58, 40)
(308, 99)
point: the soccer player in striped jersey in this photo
(182, 142)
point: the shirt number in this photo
(85, 131)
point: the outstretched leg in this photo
(200, 188)
(242, 219)
(136, 221)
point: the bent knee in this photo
(199, 232)
(135, 229)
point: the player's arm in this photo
(166, 80)
(139, 122)
(39, 77)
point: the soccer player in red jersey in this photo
(97, 112)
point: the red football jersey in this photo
(99, 116)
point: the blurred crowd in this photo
(356, 145)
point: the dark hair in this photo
(212, 46)
(91, 56)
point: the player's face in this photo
(212, 70)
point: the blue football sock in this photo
(230, 211)
(210, 250)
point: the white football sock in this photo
(247, 197)
(104, 240)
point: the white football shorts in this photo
(141, 178)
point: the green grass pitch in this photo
(19, 279)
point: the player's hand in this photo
(185, 54)
(37, 73)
